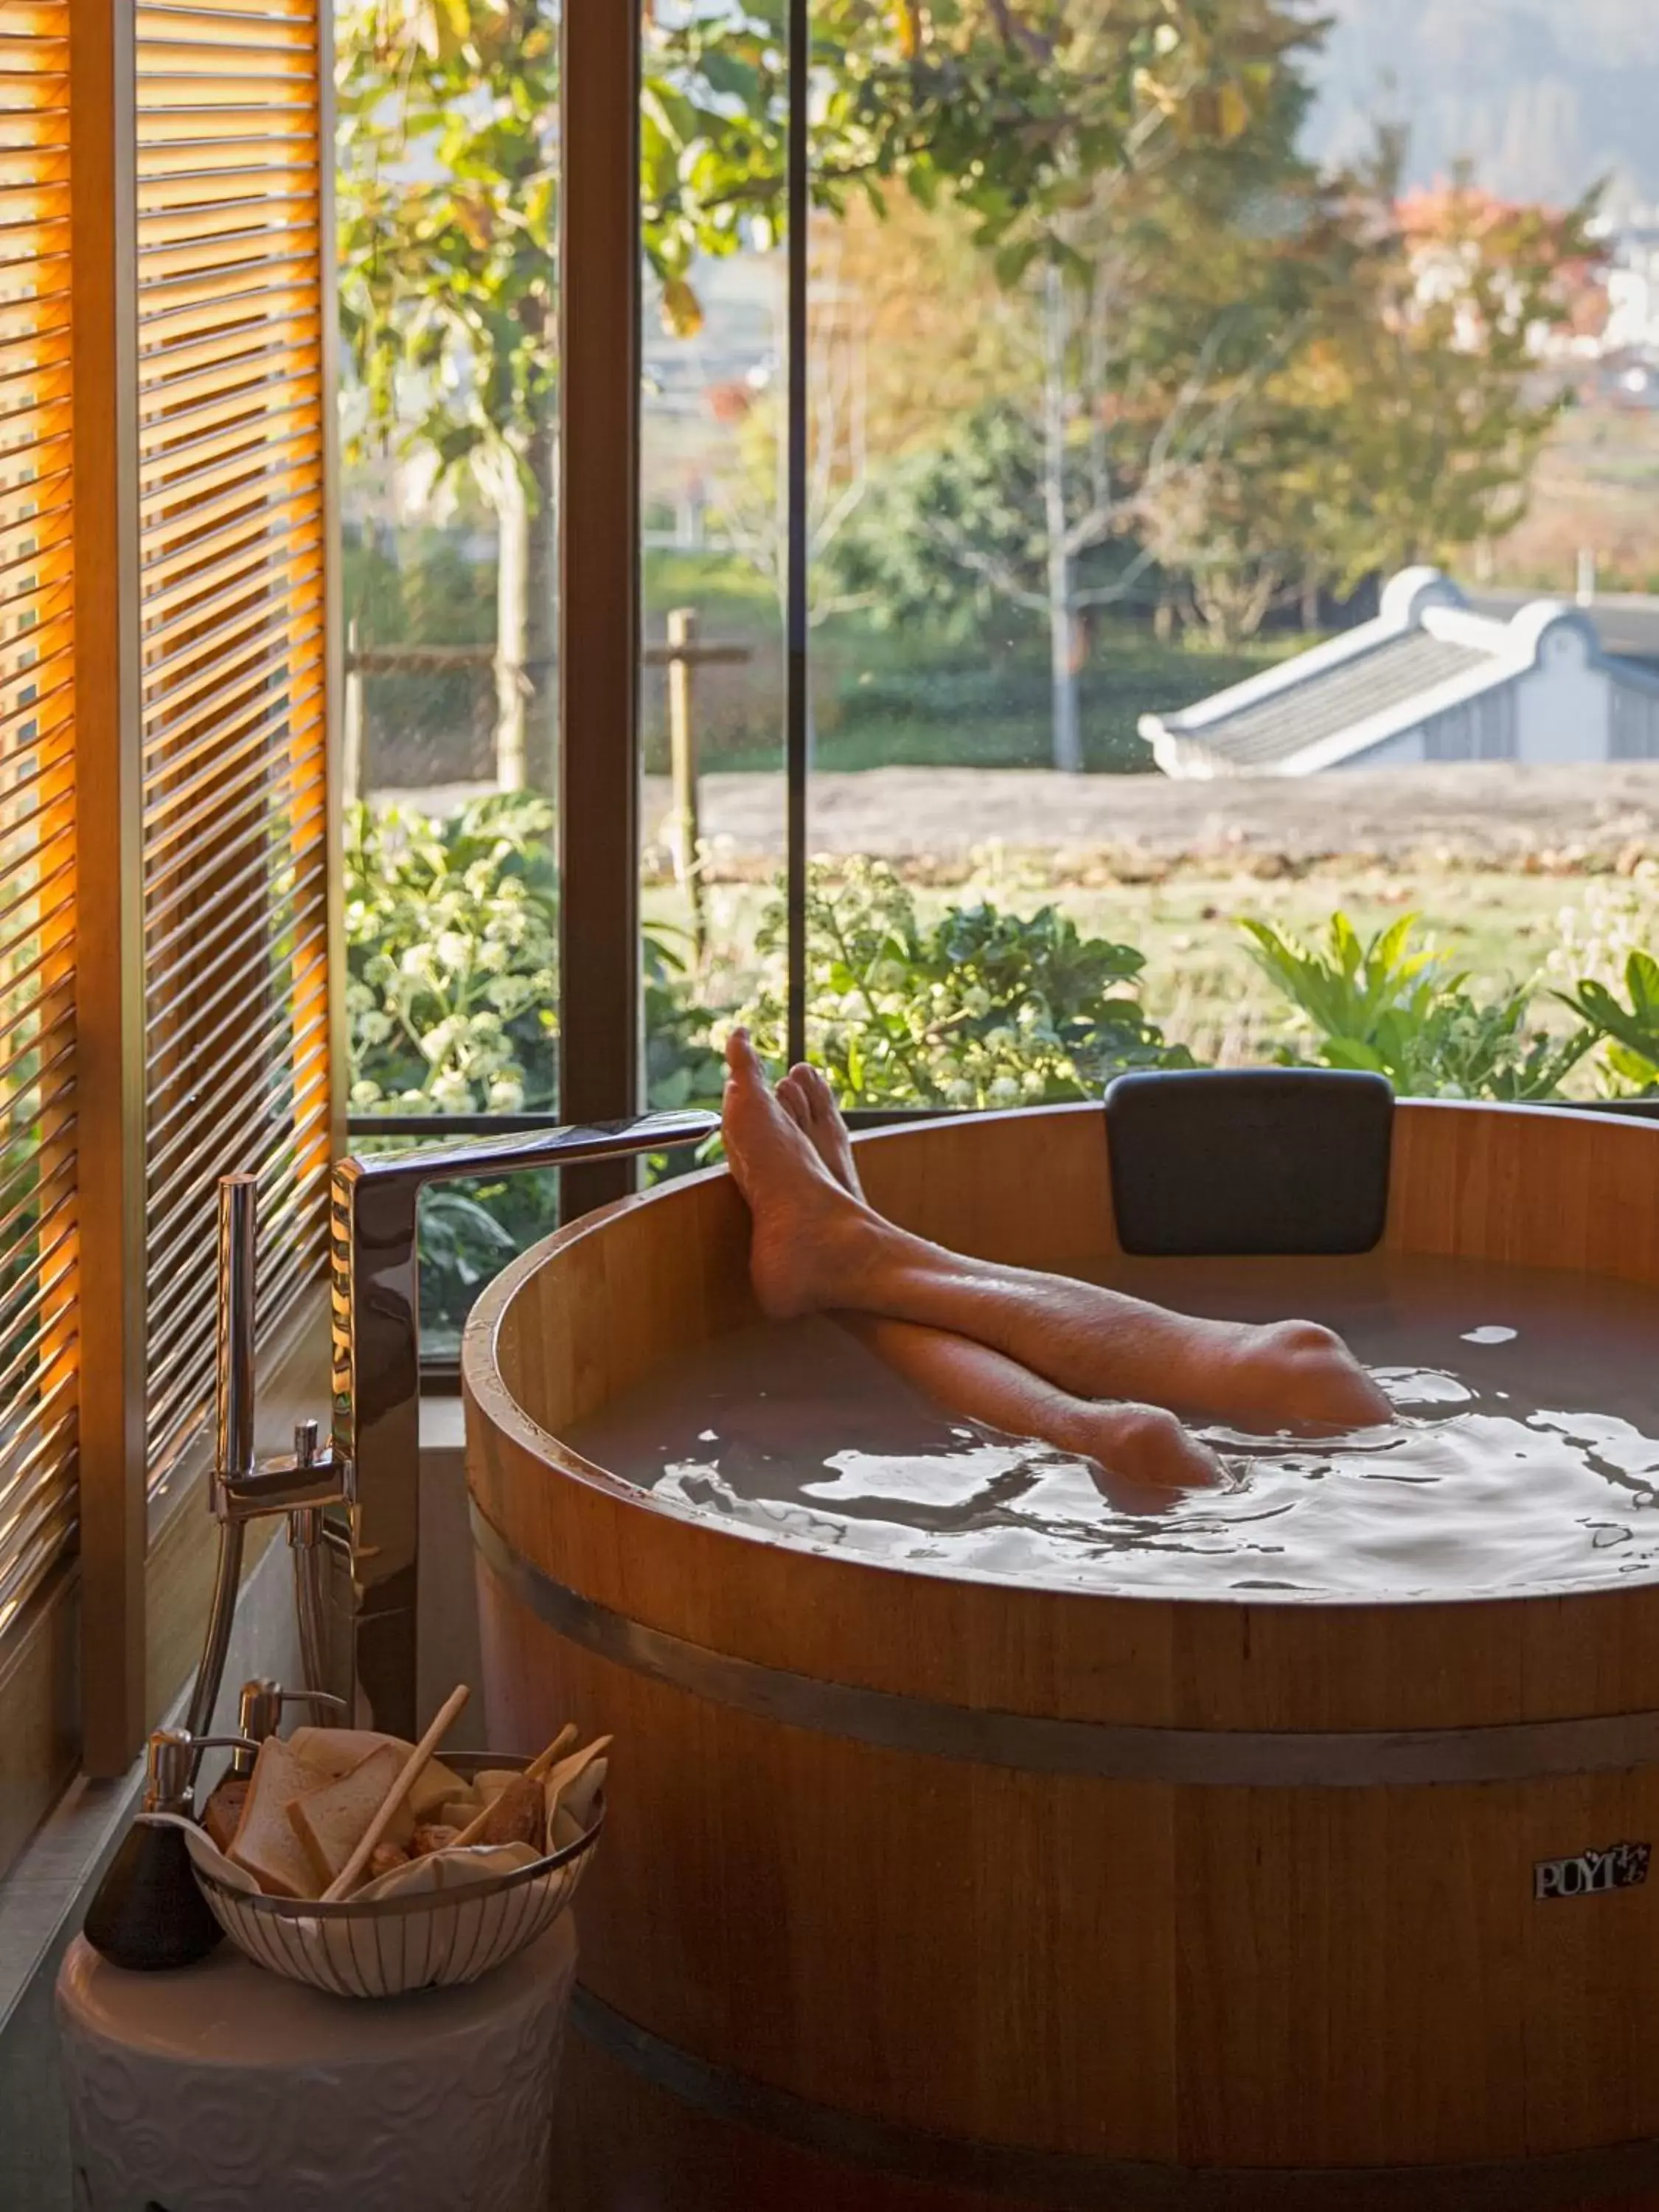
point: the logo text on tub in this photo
(1589, 1873)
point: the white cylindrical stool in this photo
(222, 2088)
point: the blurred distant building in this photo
(1428, 680)
(1632, 283)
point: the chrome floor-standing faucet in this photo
(353, 1504)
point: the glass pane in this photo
(712, 522)
(448, 210)
(1110, 417)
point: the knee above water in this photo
(1305, 1341)
(1147, 1428)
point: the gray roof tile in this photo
(1323, 706)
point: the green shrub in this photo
(1632, 1032)
(452, 958)
(979, 1008)
(1396, 1008)
(453, 991)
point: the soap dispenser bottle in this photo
(148, 1913)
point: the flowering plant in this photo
(976, 1008)
(452, 958)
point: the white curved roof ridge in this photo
(1411, 591)
(1407, 601)
(1532, 623)
(1518, 637)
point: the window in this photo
(1031, 376)
(449, 201)
(1011, 382)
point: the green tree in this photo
(1423, 385)
(449, 193)
(1155, 309)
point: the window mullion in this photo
(599, 979)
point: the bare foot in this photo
(811, 1234)
(806, 1097)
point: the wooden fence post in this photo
(682, 761)
(351, 738)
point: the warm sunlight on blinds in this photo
(232, 517)
(37, 806)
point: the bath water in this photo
(1524, 1453)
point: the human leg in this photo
(1142, 1444)
(817, 1246)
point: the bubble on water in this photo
(1491, 1332)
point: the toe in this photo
(793, 1097)
(808, 1086)
(823, 1097)
(742, 1060)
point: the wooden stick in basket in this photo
(352, 1872)
(543, 1760)
(537, 1771)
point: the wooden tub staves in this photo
(931, 1893)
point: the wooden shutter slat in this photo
(221, 1013)
(170, 894)
(29, 1551)
(21, 1455)
(173, 1201)
(300, 483)
(28, 911)
(187, 464)
(188, 1308)
(48, 720)
(193, 1297)
(263, 709)
(22, 1195)
(231, 930)
(212, 254)
(175, 815)
(238, 563)
(229, 365)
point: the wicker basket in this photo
(386, 1947)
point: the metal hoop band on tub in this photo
(1033, 1743)
(1071, 2181)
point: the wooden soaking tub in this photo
(936, 1893)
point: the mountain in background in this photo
(1543, 97)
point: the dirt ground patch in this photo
(1106, 828)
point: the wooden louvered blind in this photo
(231, 387)
(37, 1379)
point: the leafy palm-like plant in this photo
(1346, 987)
(1400, 1010)
(1632, 1031)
